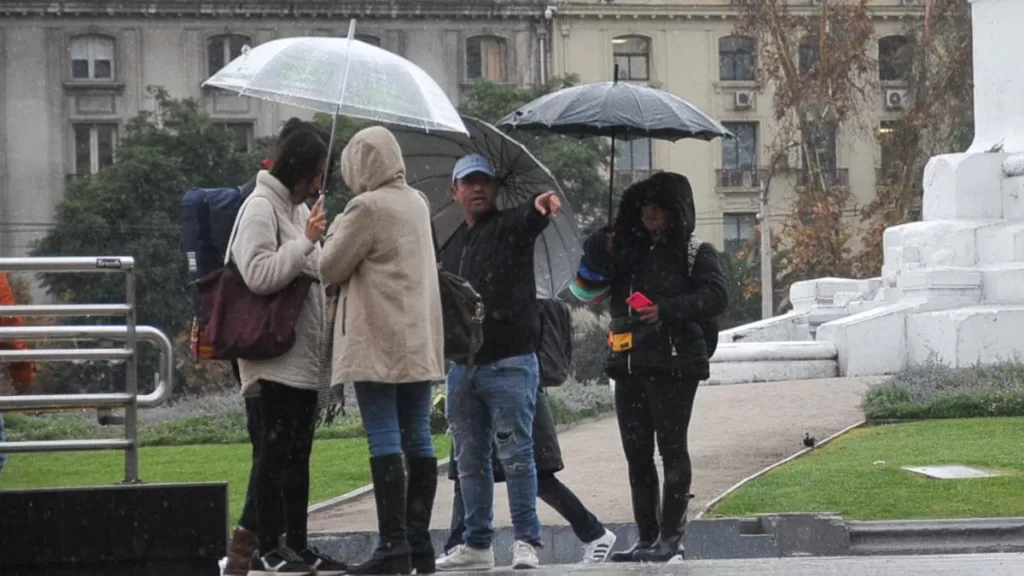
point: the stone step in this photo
(969, 536)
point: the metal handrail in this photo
(160, 394)
(129, 334)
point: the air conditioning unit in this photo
(743, 100)
(896, 99)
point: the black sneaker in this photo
(323, 564)
(283, 560)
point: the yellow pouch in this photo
(620, 342)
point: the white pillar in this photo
(998, 76)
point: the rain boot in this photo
(645, 513)
(673, 527)
(392, 555)
(419, 504)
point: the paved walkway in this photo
(961, 565)
(736, 431)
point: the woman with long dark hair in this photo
(663, 285)
(276, 239)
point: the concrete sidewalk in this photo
(736, 431)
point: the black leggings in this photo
(649, 407)
(253, 418)
(282, 470)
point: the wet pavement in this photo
(960, 565)
(737, 430)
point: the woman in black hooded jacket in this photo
(659, 353)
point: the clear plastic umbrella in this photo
(341, 76)
(429, 160)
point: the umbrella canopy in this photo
(341, 76)
(618, 110)
(429, 160)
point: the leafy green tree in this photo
(131, 208)
(578, 164)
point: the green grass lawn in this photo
(847, 476)
(337, 466)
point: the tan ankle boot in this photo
(240, 549)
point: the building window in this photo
(894, 57)
(739, 157)
(739, 229)
(92, 58)
(633, 57)
(736, 59)
(821, 140)
(242, 132)
(632, 161)
(808, 55)
(223, 49)
(485, 58)
(369, 39)
(94, 147)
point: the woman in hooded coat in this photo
(659, 353)
(389, 341)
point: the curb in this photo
(768, 469)
(442, 469)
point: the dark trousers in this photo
(649, 408)
(282, 470)
(253, 418)
(552, 492)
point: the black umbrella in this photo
(620, 111)
(429, 160)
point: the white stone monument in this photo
(953, 285)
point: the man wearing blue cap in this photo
(494, 400)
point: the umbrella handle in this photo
(611, 182)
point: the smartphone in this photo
(637, 301)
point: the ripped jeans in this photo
(495, 402)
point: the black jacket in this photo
(546, 451)
(660, 271)
(496, 257)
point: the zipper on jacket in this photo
(462, 257)
(344, 313)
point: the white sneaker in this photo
(524, 556)
(597, 551)
(464, 558)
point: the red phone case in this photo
(637, 301)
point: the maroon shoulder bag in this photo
(241, 325)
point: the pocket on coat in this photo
(344, 314)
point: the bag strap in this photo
(238, 222)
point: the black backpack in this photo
(708, 327)
(554, 347)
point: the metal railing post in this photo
(131, 412)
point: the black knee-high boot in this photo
(419, 505)
(644, 491)
(392, 555)
(673, 528)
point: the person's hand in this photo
(649, 314)
(548, 204)
(316, 222)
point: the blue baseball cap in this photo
(471, 164)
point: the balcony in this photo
(625, 178)
(837, 177)
(740, 179)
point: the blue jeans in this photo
(495, 403)
(396, 418)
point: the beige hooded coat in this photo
(380, 251)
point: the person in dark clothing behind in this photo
(597, 540)
(494, 399)
(245, 538)
(662, 355)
